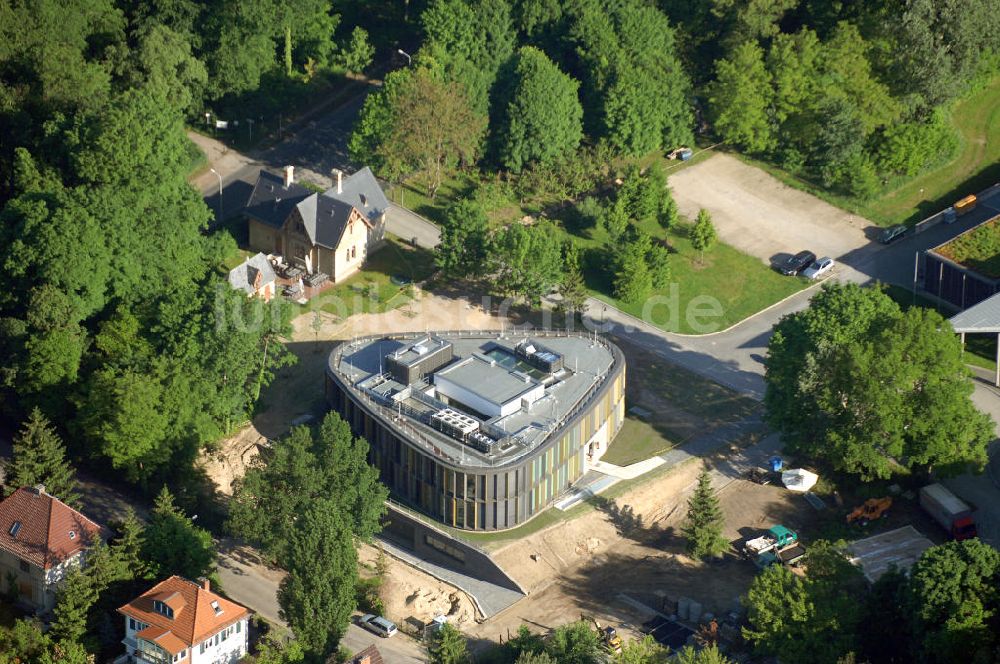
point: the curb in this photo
(662, 332)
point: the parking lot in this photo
(756, 213)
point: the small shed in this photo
(901, 547)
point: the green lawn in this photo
(372, 289)
(637, 441)
(740, 284)
(978, 249)
(975, 166)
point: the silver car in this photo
(818, 268)
(377, 624)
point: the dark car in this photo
(795, 264)
(892, 234)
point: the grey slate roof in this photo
(243, 276)
(271, 202)
(362, 191)
(324, 216)
(983, 317)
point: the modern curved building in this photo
(480, 431)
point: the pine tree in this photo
(39, 458)
(703, 528)
(573, 290)
(447, 646)
(703, 233)
(127, 549)
(76, 595)
(173, 544)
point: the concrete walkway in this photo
(489, 598)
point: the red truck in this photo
(948, 510)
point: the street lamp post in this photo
(250, 123)
(409, 60)
(220, 191)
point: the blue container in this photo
(775, 463)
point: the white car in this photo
(818, 268)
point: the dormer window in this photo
(163, 609)
(15, 527)
(72, 534)
(216, 607)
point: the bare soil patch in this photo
(760, 215)
(584, 566)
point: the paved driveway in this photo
(756, 213)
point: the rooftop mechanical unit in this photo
(421, 358)
(455, 424)
(539, 356)
(483, 443)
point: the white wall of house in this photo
(352, 250)
(34, 585)
(226, 646)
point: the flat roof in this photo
(976, 249)
(901, 547)
(983, 317)
(487, 380)
(418, 350)
(587, 362)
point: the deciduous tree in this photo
(703, 233)
(955, 590)
(541, 119)
(858, 383)
(525, 261)
(317, 596)
(433, 129)
(307, 466)
(740, 99)
(575, 642)
(642, 651)
(462, 251)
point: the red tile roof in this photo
(195, 619)
(163, 638)
(50, 531)
(369, 655)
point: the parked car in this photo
(949, 215)
(795, 264)
(818, 268)
(377, 624)
(890, 235)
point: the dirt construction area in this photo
(758, 214)
(630, 550)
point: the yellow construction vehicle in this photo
(871, 509)
(610, 639)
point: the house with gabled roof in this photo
(41, 539)
(179, 621)
(255, 277)
(331, 232)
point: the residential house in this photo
(42, 538)
(179, 621)
(333, 232)
(369, 655)
(254, 276)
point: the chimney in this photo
(38, 489)
(289, 176)
(205, 583)
(340, 176)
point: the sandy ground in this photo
(584, 566)
(411, 596)
(756, 213)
